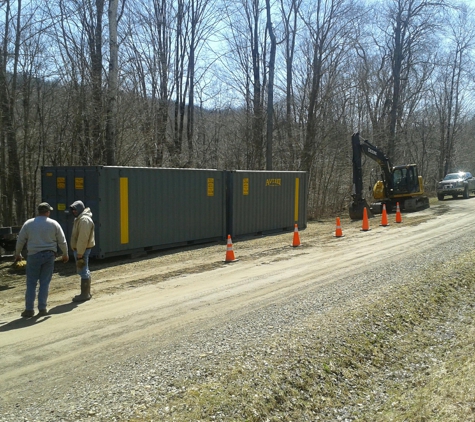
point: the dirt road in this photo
(142, 304)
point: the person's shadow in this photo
(61, 309)
(28, 322)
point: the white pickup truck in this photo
(455, 184)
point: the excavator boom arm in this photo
(362, 146)
(375, 154)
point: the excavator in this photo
(399, 184)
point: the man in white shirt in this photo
(42, 235)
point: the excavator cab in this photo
(405, 179)
(399, 184)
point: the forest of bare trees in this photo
(242, 84)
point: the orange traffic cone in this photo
(229, 251)
(296, 241)
(384, 217)
(338, 231)
(398, 214)
(365, 226)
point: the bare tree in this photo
(203, 21)
(147, 67)
(79, 38)
(92, 21)
(447, 91)
(112, 89)
(270, 88)
(11, 185)
(289, 14)
(328, 25)
(410, 26)
(247, 73)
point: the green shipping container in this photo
(139, 209)
(265, 201)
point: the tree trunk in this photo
(309, 149)
(111, 127)
(399, 35)
(270, 89)
(99, 152)
(13, 205)
(257, 153)
(290, 36)
(190, 126)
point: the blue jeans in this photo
(39, 267)
(84, 271)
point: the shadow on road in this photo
(61, 309)
(28, 322)
(22, 323)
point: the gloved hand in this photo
(80, 263)
(19, 264)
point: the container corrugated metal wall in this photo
(136, 209)
(61, 186)
(265, 201)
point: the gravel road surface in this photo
(170, 315)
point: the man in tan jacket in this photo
(82, 241)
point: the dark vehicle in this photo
(455, 184)
(8, 236)
(400, 184)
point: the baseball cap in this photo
(44, 206)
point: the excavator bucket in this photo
(356, 209)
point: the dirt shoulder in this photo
(116, 274)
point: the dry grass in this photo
(407, 356)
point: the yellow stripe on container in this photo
(124, 210)
(296, 204)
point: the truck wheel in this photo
(465, 193)
(440, 197)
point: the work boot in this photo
(28, 314)
(85, 291)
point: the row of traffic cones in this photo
(365, 225)
(230, 257)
